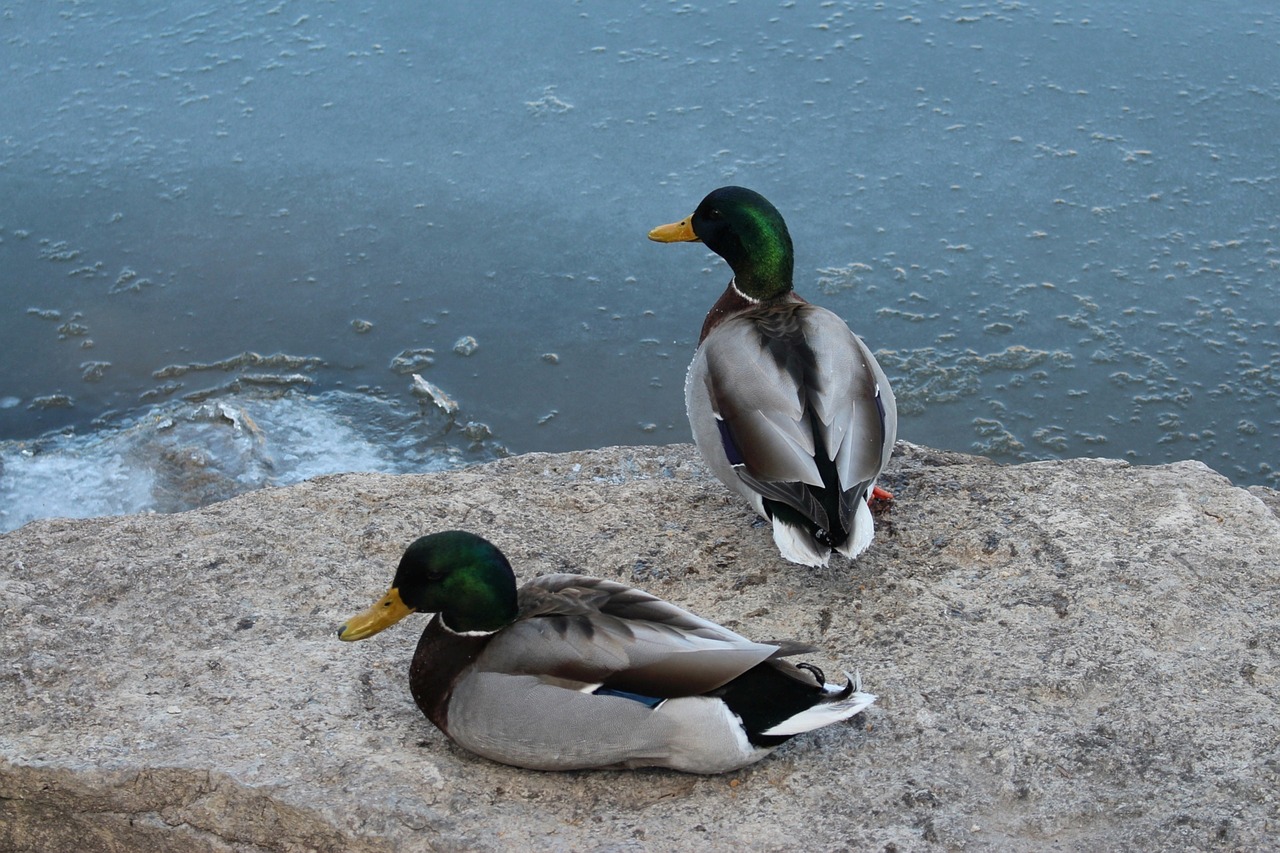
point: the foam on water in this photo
(184, 455)
(70, 481)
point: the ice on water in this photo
(1056, 223)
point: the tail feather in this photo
(841, 703)
(797, 545)
(864, 530)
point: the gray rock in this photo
(1076, 654)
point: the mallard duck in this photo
(574, 672)
(788, 406)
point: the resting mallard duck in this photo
(574, 672)
(788, 407)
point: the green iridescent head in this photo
(459, 575)
(742, 227)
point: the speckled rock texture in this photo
(1074, 655)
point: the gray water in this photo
(1056, 223)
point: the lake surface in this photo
(229, 236)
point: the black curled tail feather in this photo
(767, 694)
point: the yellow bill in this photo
(386, 612)
(676, 232)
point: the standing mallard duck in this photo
(788, 407)
(573, 672)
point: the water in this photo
(1056, 223)
(178, 455)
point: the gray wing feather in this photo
(766, 411)
(859, 430)
(756, 397)
(589, 631)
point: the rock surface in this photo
(1069, 655)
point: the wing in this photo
(589, 632)
(853, 404)
(801, 405)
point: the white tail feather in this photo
(798, 546)
(826, 713)
(864, 530)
